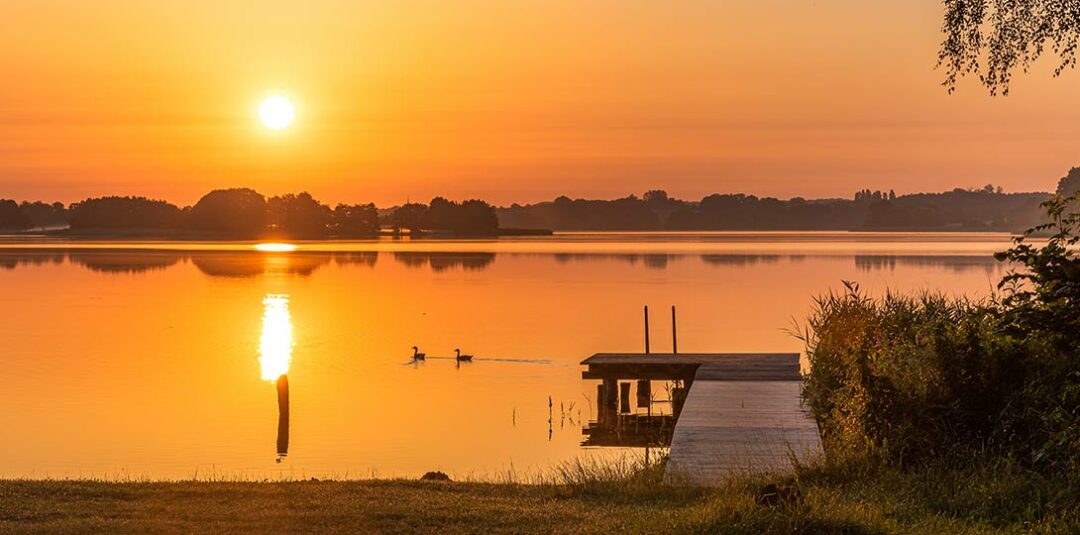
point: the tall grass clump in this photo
(906, 380)
(902, 378)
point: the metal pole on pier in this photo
(674, 341)
(646, 329)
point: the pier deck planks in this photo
(743, 412)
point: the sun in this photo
(276, 112)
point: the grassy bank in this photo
(992, 499)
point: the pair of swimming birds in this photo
(417, 355)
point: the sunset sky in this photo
(509, 100)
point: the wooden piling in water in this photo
(283, 416)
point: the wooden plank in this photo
(703, 366)
(688, 358)
(736, 427)
(748, 371)
(657, 373)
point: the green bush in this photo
(906, 378)
(911, 379)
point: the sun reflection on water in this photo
(275, 247)
(276, 342)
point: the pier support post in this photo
(611, 400)
(600, 405)
(644, 393)
(678, 398)
(624, 398)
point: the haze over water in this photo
(143, 360)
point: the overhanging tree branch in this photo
(994, 38)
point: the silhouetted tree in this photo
(477, 217)
(239, 212)
(441, 214)
(13, 218)
(868, 196)
(124, 213)
(408, 216)
(628, 213)
(45, 215)
(298, 216)
(470, 217)
(656, 196)
(473, 217)
(355, 220)
(1070, 183)
(994, 38)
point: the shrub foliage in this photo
(908, 379)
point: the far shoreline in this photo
(210, 237)
(202, 236)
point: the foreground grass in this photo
(998, 500)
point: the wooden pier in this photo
(737, 412)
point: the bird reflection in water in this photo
(275, 354)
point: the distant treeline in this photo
(960, 209)
(982, 209)
(245, 213)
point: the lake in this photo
(159, 360)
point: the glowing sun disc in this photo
(276, 112)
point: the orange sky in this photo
(509, 100)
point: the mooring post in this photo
(283, 417)
(674, 340)
(646, 329)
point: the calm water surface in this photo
(159, 360)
